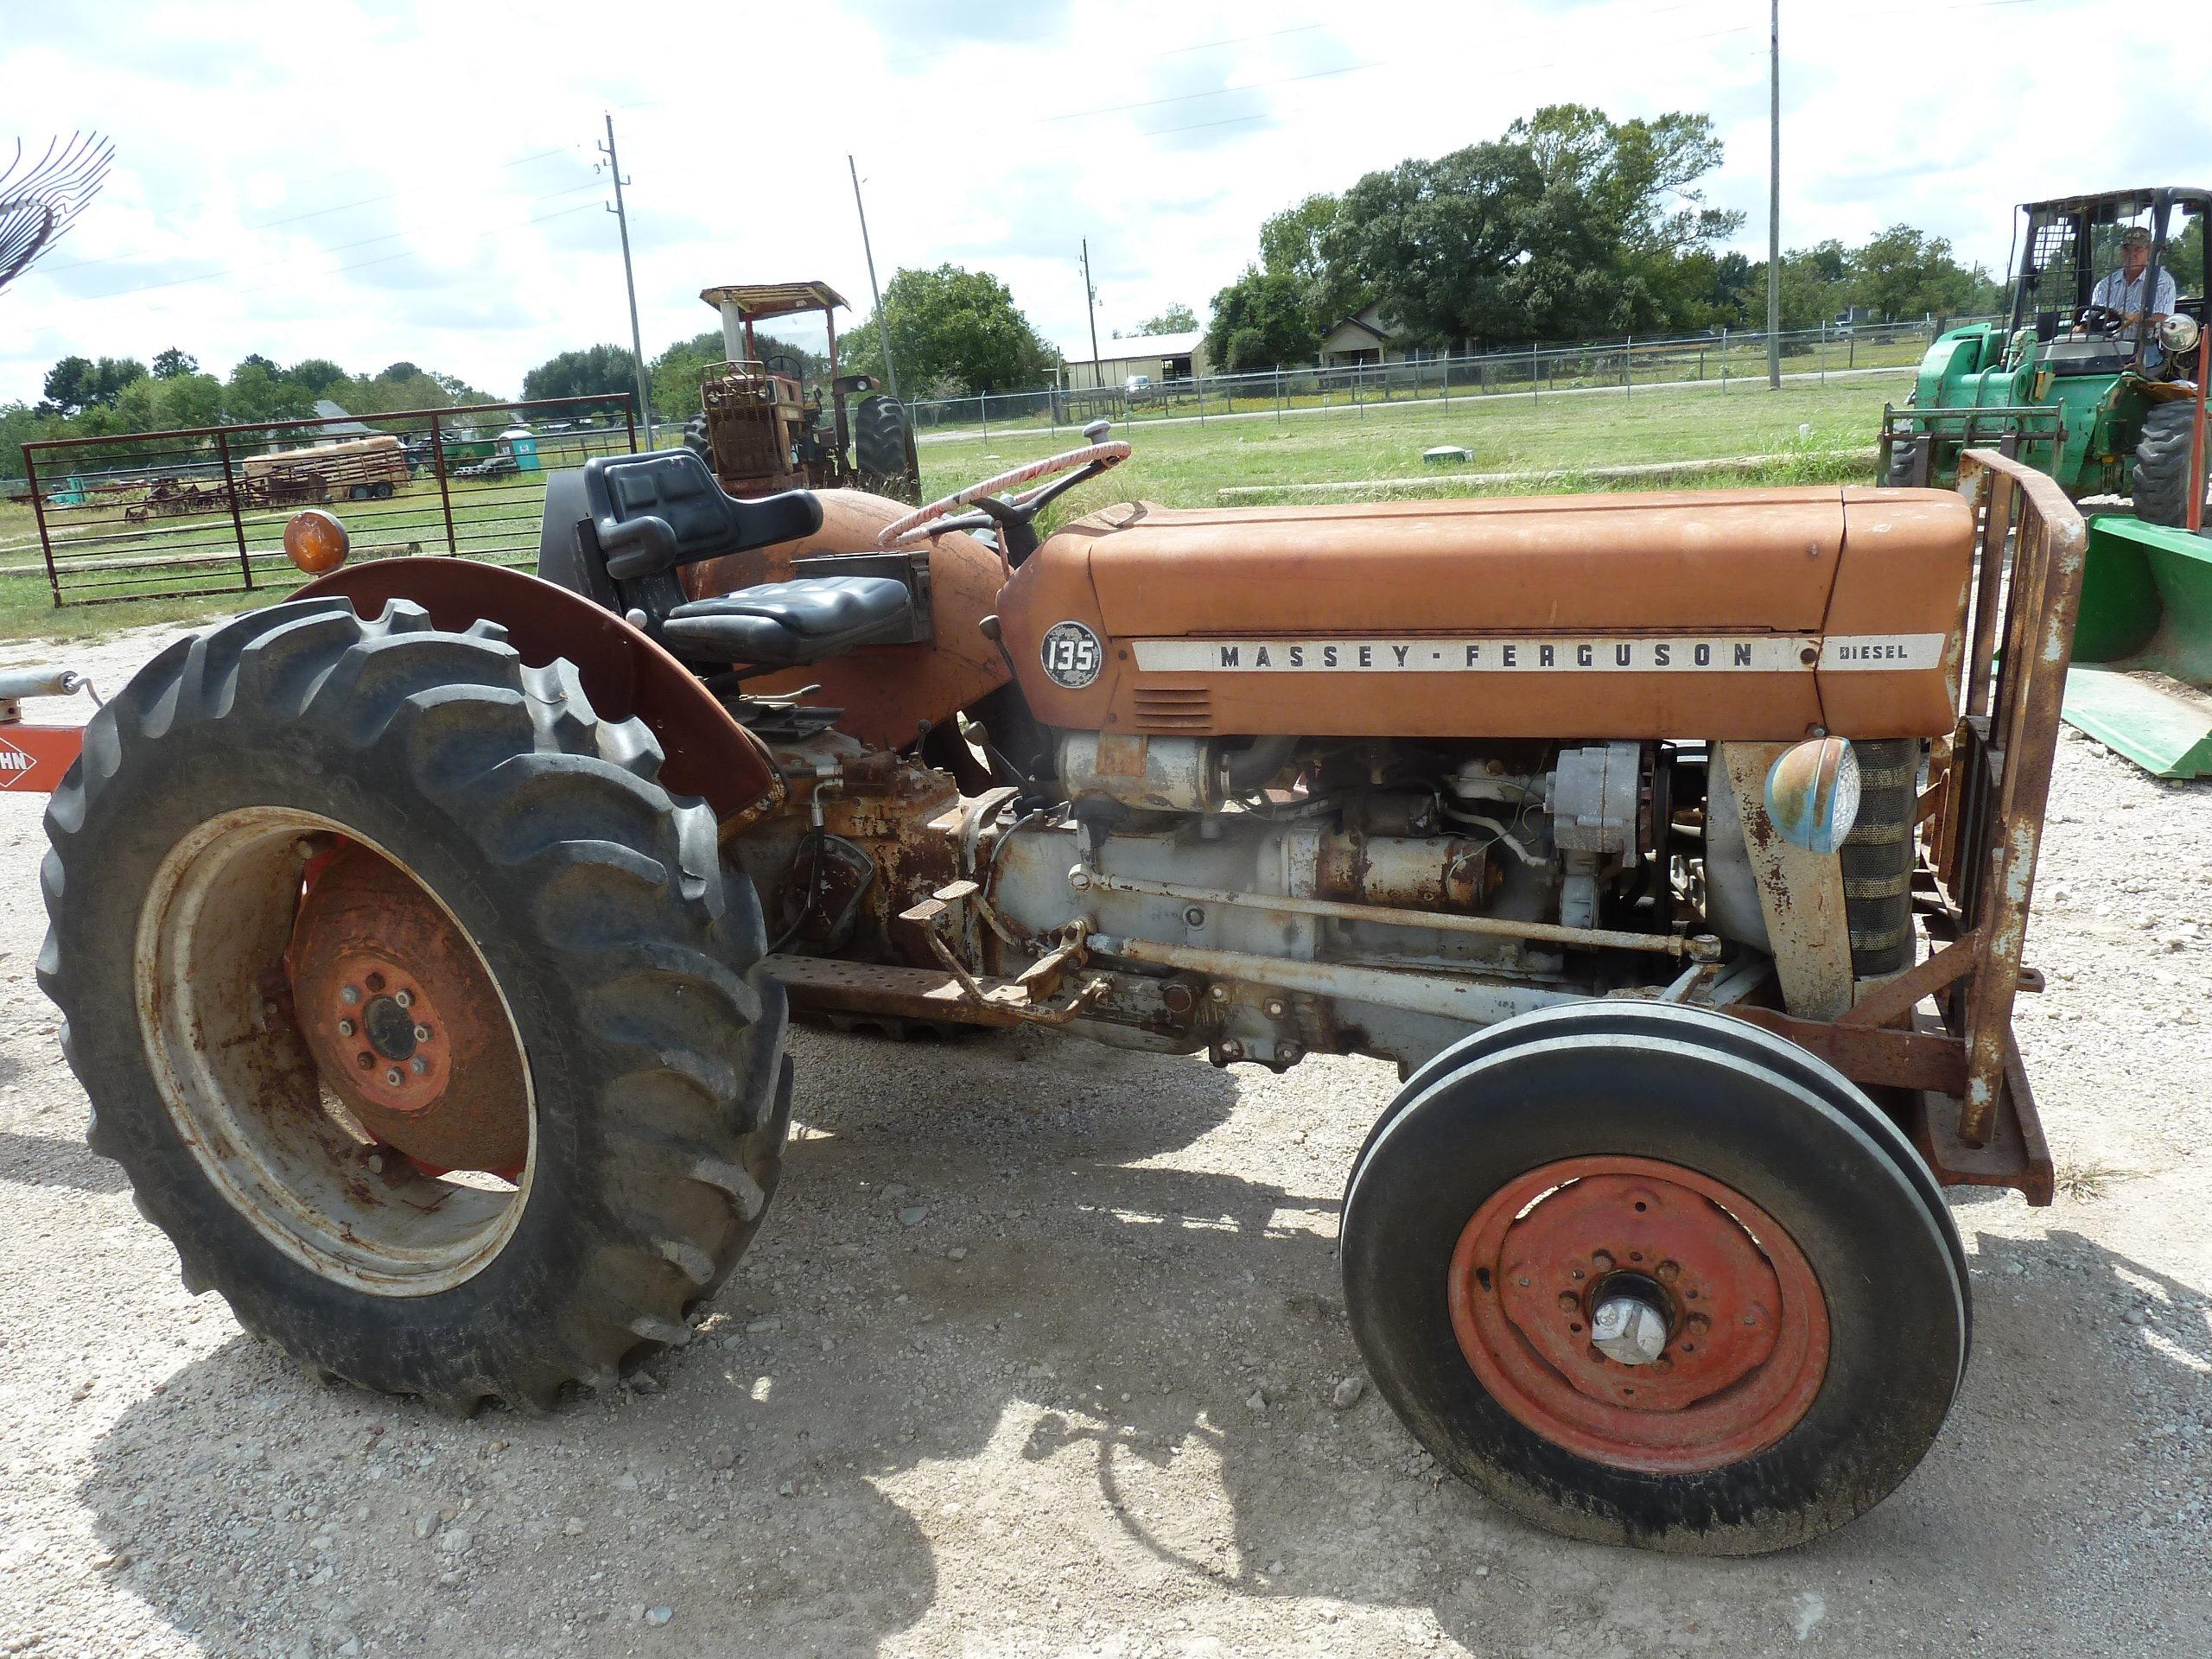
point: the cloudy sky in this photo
(371, 182)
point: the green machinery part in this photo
(2141, 681)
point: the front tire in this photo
(2161, 484)
(631, 1050)
(1503, 1190)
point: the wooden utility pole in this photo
(1090, 301)
(1774, 199)
(630, 282)
(882, 327)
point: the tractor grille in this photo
(1173, 708)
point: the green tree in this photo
(953, 327)
(70, 384)
(169, 365)
(1177, 319)
(188, 400)
(1261, 321)
(258, 390)
(1570, 223)
(1294, 244)
(75, 383)
(1904, 274)
(596, 372)
(318, 377)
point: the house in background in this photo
(1161, 357)
(1367, 338)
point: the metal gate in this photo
(202, 510)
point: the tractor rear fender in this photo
(623, 674)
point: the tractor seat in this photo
(791, 624)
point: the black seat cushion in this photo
(653, 513)
(790, 624)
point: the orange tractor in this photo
(426, 941)
(762, 428)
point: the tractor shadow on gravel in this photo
(1014, 1354)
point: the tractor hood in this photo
(1742, 614)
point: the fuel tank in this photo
(1747, 615)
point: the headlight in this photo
(1812, 793)
(2178, 334)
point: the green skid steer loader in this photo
(2095, 379)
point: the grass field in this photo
(1176, 464)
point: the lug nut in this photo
(350, 995)
(1287, 1054)
(364, 1059)
(405, 999)
(1218, 993)
(1276, 1007)
(345, 1028)
(1603, 1261)
(391, 1076)
(421, 1033)
(419, 1066)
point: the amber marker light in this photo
(316, 542)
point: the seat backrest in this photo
(655, 511)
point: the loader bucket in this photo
(2142, 676)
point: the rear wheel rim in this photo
(247, 1096)
(1747, 1326)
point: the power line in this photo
(321, 212)
(367, 241)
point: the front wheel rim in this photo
(1747, 1333)
(243, 1092)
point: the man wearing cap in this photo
(2122, 291)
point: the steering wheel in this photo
(785, 364)
(2103, 320)
(1011, 516)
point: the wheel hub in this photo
(1638, 1313)
(404, 1023)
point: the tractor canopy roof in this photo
(756, 301)
(2103, 205)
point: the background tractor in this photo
(2106, 407)
(425, 942)
(763, 429)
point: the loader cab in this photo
(2070, 245)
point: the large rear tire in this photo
(2161, 483)
(601, 1004)
(883, 449)
(1566, 1152)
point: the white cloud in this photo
(432, 167)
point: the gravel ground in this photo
(1042, 1353)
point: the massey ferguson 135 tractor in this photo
(425, 942)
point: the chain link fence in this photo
(1721, 360)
